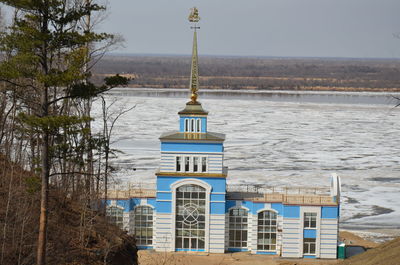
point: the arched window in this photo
(186, 129)
(143, 225)
(190, 217)
(266, 234)
(198, 125)
(115, 215)
(238, 228)
(192, 129)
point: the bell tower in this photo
(193, 119)
(191, 181)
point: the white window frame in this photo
(198, 164)
(191, 164)
(309, 246)
(186, 158)
(309, 219)
(198, 125)
(272, 232)
(201, 164)
(208, 188)
(192, 125)
(152, 224)
(233, 227)
(181, 163)
(117, 223)
(317, 210)
(186, 125)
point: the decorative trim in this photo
(189, 174)
(208, 189)
(240, 207)
(204, 115)
(267, 209)
(311, 209)
(192, 140)
(182, 182)
(187, 152)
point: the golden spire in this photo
(194, 75)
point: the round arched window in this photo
(266, 230)
(238, 228)
(190, 217)
(143, 225)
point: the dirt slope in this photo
(385, 254)
(76, 235)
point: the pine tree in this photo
(47, 51)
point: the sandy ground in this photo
(150, 257)
(154, 258)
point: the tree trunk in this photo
(44, 194)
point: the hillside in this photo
(69, 241)
(385, 254)
(256, 73)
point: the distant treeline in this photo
(257, 73)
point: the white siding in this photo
(215, 164)
(226, 231)
(329, 237)
(292, 236)
(217, 233)
(162, 239)
(167, 163)
(279, 235)
(253, 240)
(252, 231)
(215, 161)
(125, 222)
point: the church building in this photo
(193, 209)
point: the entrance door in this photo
(190, 218)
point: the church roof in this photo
(193, 108)
(196, 137)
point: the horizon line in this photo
(250, 56)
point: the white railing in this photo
(263, 189)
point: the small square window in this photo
(310, 220)
(309, 246)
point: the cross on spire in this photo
(194, 74)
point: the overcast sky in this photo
(304, 28)
(299, 28)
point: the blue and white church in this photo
(193, 209)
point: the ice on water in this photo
(281, 143)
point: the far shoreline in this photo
(256, 91)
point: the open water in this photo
(280, 139)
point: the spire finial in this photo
(194, 75)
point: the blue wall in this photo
(217, 184)
(328, 212)
(291, 211)
(254, 207)
(203, 123)
(217, 207)
(130, 204)
(287, 211)
(164, 193)
(191, 147)
(310, 233)
(164, 206)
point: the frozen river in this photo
(282, 139)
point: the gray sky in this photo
(316, 28)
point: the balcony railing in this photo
(287, 195)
